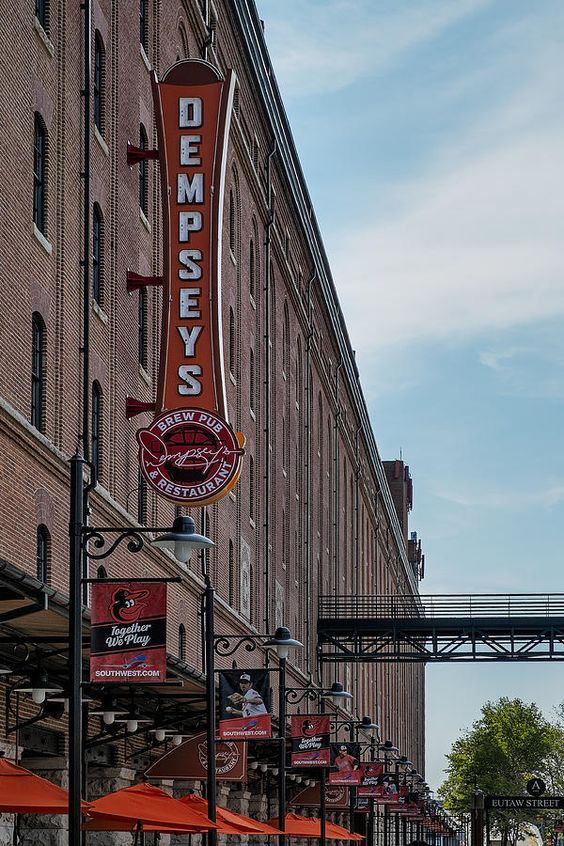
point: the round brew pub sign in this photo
(190, 455)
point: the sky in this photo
(431, 134)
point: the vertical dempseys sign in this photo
(128, 633)
(190, 453)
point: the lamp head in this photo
(182, 539)
(368, 726)
(337, 694)
(39, 686)
(282, 642)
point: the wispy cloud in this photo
(476, 242)
(505, 498)
(325, 46)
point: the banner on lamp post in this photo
(310, 740)
(128, 632)
(345, 757)
(244, 698)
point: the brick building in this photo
(313, 512)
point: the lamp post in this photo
(338, 695)
(354, 727)
(281, 642)
(181, 538)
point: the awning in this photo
(145, 804)
(23, 792)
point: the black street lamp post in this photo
(86, 543)
(337, 694)
(282, 642)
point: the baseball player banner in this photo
(128, 632)
(345, 757)
(310, 740)
(244, 701)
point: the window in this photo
(101, 572)
(184, 51)
(42, 14)
(142, 328)
(96, 443)
(143, 173)
(39, 173)
(252, 269)
(231, 342)
(97, 254)
(252, 396)
(251, 488)
(231, 575)
(231, 223)
(142, 500)
(37, 372)
(99, 72)
(43, 542)
(182, 642)
(144, 24)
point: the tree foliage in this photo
(509, 744)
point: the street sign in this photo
(525, 803)
(536, 786)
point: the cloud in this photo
(505, 498)
(475, 243)
(324, 47)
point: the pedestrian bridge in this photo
(441, 627)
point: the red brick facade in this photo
(312, 513)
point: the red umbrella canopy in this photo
(228, 821)
(149, 805)
(23, 792)
(298, 826)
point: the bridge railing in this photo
(442, 605)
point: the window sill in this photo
(144, 375)
(252, 414)
(144, 56)
(144, 221)
(232, 496)
(99, 312)
(47, 245)
(232, 378)
(253, 303)
(252, 523)
(43, 37)
(232, 257)
(98, 136)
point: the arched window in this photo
(39, 173)
(42, 14)
(232, 235)
(144, 24)
(43, 543)
(231, 575)
(99, 74)
(252, 269)
(38, 372)
(142, 345)
(101, 572)
(252, 389)
(143, 173)
(183, 42)
(141, 500)
(232, 355)
(182, 642)
(97, 254)
(286, 341)
(251, 488)
(96, 444)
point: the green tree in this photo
(508, 744)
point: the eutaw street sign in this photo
(525, 803)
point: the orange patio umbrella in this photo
(146, 805)
(298, 826)
(228, 821)
(24, 792)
